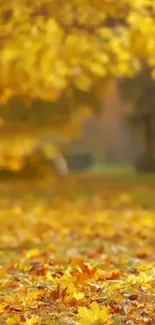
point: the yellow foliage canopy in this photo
(46, 45)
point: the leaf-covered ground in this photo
(84, 256)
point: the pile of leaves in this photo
(78, 260)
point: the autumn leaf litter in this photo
(76, 262)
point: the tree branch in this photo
(91, 29)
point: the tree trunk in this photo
(146, 162)
(149, 136)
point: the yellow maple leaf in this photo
(2, 306)
(14, 320)
(78, 295)
(31, 321)
(72, 290)
(142, 279)
(94, 315)
(3, 273)
(32, 253)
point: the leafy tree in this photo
(48, 48)
(48, 45)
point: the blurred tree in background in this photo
(39, 131)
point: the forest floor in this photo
(78, 252)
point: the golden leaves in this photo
(15, 320)
(74, 259)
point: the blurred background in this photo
(36, 139)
